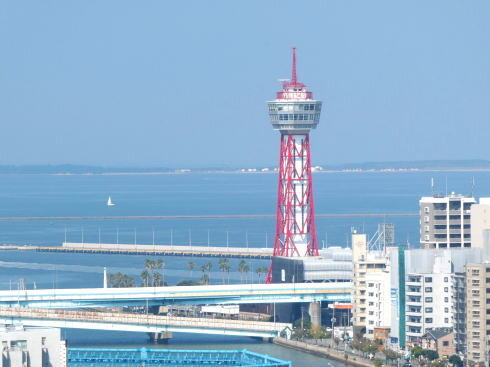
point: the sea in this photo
(71, 201)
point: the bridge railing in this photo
(141, 319)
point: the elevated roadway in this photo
(190, 295)
(140, 322)
(159, 250)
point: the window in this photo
(427, 237)
(455, 205)
(446, 279)
(446, 299)
(428, 299)
(440, 235)
(440, 226)
(43, 340)
(21, 344)
(446, 309)
(426, 219)
(445, 343)
(440, 217)
(428, 279)
(371, 322)
(446, 320)
(427, 228)
(454, 217)
(428, 289)
(446, 289)
(426, 209)
(370, 284)
(455, 235)
(428, 320)
(428, 309)
(439, 206)
(475, 272)
(370, 294)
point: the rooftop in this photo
(81, 357)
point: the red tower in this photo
(294, 113)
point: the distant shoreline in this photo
(156, 173)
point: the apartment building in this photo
(429, 300)
(445, 221)
(372, 281)
(480, 226)
(32, 347)
(478, 314)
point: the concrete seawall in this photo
(324, 352)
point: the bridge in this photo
(156, 250)
(188, 295)
(149, 323)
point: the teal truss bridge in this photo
(93, 357)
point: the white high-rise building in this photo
(429, 299)
(372, 284)
(445, 221)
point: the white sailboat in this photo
(109, 202)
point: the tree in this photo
(152, 275)
(260, 271)
(378, 362)
(145, 278)
(391, 354)
(224, 267)
(206, 268)
(120, 280)
(205, 279)
(242, 268)
(455, 360)
(431, 355)
(417, 352)
(191, 267)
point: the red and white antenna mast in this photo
(294, 113)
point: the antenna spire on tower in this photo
(294, 79)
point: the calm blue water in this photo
(189, 194)
(208, 194)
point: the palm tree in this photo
(246, 269)
(205, 279)
(224, 267)
(260, 271)
(241, 269)
(191, 267)
(145, 277)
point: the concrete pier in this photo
(314, 310)
(160, 338)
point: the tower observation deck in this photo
(294, 113)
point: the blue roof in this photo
(112, 357)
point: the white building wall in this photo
(25, 347)
(429, 299)
(378, 300)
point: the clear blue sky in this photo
(184, 83)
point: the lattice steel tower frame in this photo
(294, 113)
